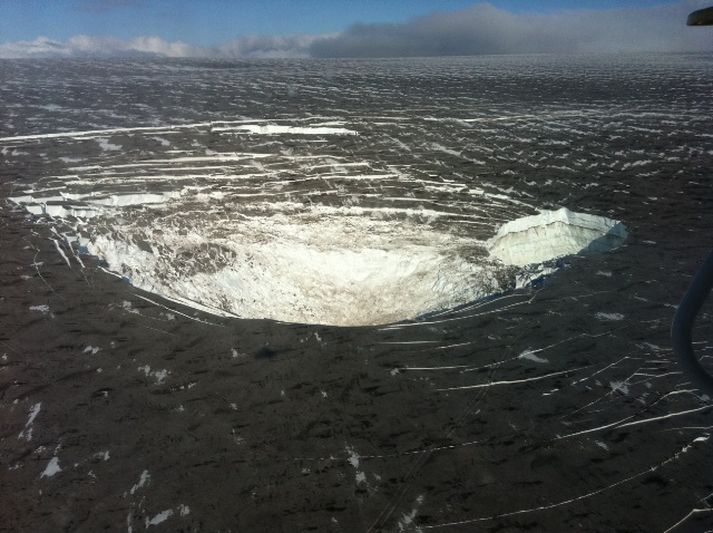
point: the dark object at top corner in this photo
(702, 17)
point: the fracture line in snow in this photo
(670, 415)
(514, 381)
(622, 423)
(398, 343)
(423, 450)
(610, 392)
(593, 430)
(491, 365)
(61, 252)
(602, 370)
(452, 319)
(427, 368)
(456, 345)
(568, 501)
(689, 428)
(693, 512)
(111, 131)
(420, 451)
(176, 311)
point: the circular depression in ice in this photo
(331, 268)
(328, 267)
(319, 265)
(297, 230)
(325, 270)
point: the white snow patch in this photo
(104, 456)
(107, 146)
(272, 129)
(621, 386)
(532, 273)
(144, 480)
(337, 271)
(92, 350)
(531, 356)
(124, 200)
(40, 308)
(609, 316)
(406, 520)
(158, 375)
(554, 234)
(160, 517)
(162, 141)
(354, 459)
(61, 252)
(52, 468)
(129, 308)
(26, 433)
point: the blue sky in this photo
(208, 22)
(342, 28)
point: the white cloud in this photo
(89, 46)
(151, 46)
(157, 46)
(485, 29)
(268, 46)
(40, 47)
(480, 29)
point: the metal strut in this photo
(683, 323)
(698, 291)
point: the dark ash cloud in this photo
(485, 29)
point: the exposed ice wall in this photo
(337, 269)
(340, 270)
(554, 234)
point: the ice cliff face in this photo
(334, 268)
(342, 270)
(554, 234)
(347, 271)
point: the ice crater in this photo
(349, 271)
(346, 271)
(337, 270)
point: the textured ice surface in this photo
(555, 409)
(338, 266)
(305, 238)
(340, 270)
(554, 234)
